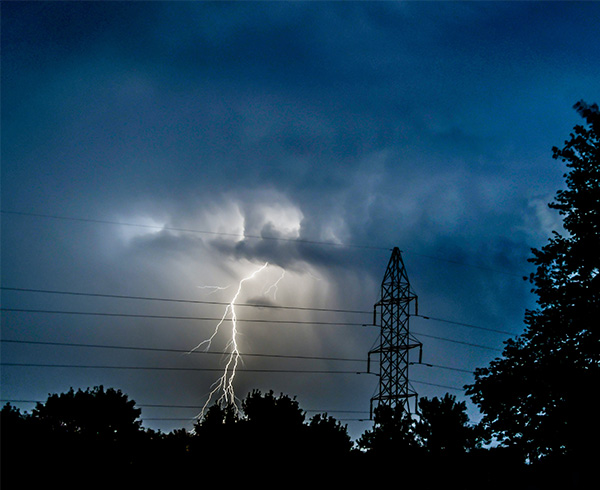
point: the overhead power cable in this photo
(263, 321)
(461, 342)
(183, 351)
(184, 407)
(175, 300)
(256, 237)
(176, 351)
(198, 407)
(191, 230)
(193, 419)
(176, 317)
(177, 368)
(469, 325)
(239, 370)
(439, 366)
(254, 305)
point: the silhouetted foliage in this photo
(268, 411)
(329, 435)
(274, 426)
(216, 433)
(269, 432)
(535, 398)
(102, 415)
(393, 432)
(443, 426)
(216, 418)
(72, 434)
(18, 436)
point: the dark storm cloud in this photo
(340, 107)
(289, 255)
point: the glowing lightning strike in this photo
(275, 286)
(225, 382)
(213, 289)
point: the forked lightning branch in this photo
(223, 388)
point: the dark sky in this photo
(141, 141)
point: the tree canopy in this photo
(443, 426)
(97, 413)
(536, 397)
(392, 433)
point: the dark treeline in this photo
(539, 428)
(98, 432)
(96, 435)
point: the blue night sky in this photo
(155, 149)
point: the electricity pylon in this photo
(395, 341)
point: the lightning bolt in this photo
(275, 286)
(225, 382)
(213, 289)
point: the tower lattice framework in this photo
(395, 341)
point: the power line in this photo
(254, 305)
(168, 317)
(159, 368)
(175, 317)
(184, 407)
(175, 300)
(469, 325)
(198, 407)
(190, 230)
(193, 419)
(439, 366)
(177, 351)
(447, 387)
(445, 339)
(183, 351)
(256, 237)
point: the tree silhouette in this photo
(19, 437)
(271, 433)
(98, 414)
(71, 436)
(330, 437)
(275, 425)
(216, 434)
(393, 432)
(443, 426)
(270, 411)
(535, 398)
(215, 418)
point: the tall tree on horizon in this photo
(537, 397)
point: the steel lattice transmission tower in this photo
(395, 341)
